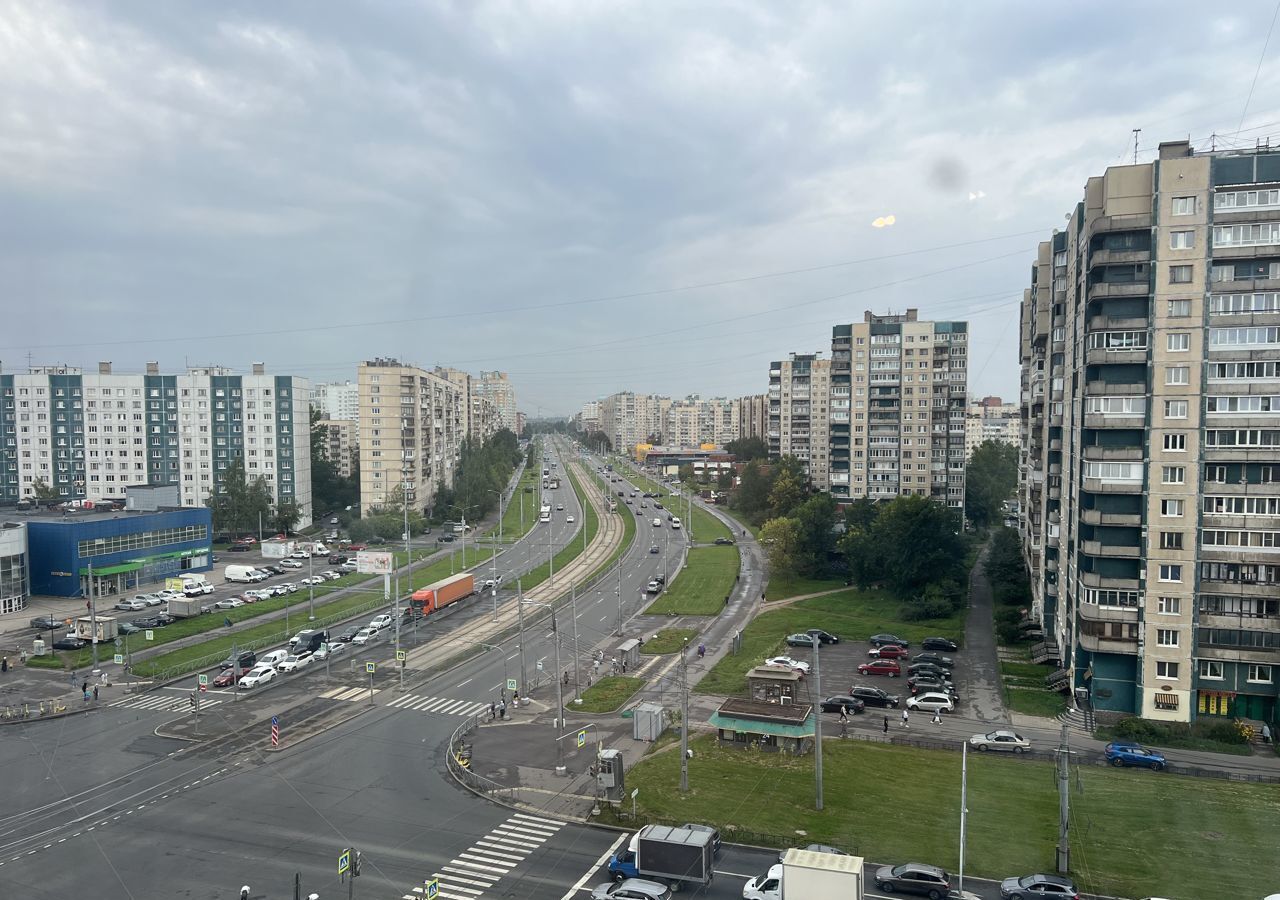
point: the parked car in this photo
(274, 570)
(364, 636)
(720, 540)
(257, 676)
(1032, 887)
(939, 643)
(128, 605)
(331, 575)
(1000, 739)
(879, 640)
(928, 668)
(150, 599)
(128, 628)
(936, 659)
(313, 579)
(887, 667)
(294, 661)
(932, 701)
(300, 554)
(1127, 753)
(924, 684)
(888, 651)
(45, 623)
(240, 548)
(290, 564)
(70, 642)
(336, 559)
(839, 702)
(914, 878)
(873, 696)
(228, 603)
(348, 634)
(797, 665)
(230, 676)
(349, 566)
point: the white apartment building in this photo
(337, 400)
(799, 415)
(629, 419)
(90, 435)
(497, 389)
(990, 419)
(341, 445)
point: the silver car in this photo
(632, 889)
(1002, 739)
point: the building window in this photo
(1171, 509)
(1171, 540)
(1166, 670)
(1175, 409)
(1211, 669)
(1180, 274)
(1166, 637)
(1215, 474)
(1175, 442)
(1177, 375)
(1173, 475)
(1259, 674)
(1182, 240)
(1179, 309)
(1169, 606)
(1171, 573)
(1178, 342)
(1184, 206)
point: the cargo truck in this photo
(440, 594)
(809, 875)
(97, 630)
(672, 856)
(188, 607)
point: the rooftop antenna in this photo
(1136, 132)
(1213, 142)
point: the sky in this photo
(592, 195)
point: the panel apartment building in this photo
(90, 435)
(798, 397)
(897, 417)
(1150, 466)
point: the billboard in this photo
(173, 584)
(375, 562)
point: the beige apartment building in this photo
(798, 424)
(752, 413)
(898, 396)
(341, 445)
(991, 419)
(1150, 466)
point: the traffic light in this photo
(195, 703)
(355, 865)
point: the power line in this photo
(1262, 56)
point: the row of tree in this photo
(244, 506)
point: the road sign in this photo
(539, 665)
(344, 862)
(118, 659)
(375, 562)
(203, 688)
(275, 731)
(401, 656)
(431, 889)
(370, 667)
(150, 635)
(203, 679)
(119, 643)
(635, 792)
(582, 738)
(511, 684)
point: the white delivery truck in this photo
(196, 586)
(809, 875)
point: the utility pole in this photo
(524, 684)
(1064, 778)
(551, 560)
(817, 717)
(964, 805)
(93, 617)
(311, 588)
(684, 722)
(396, 618)
(618, 591)
(573, 611)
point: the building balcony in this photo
(1102, 420)
(1102, 357)
(1093, 613)
(1094, 452)
(1108, 644)
(1117, 257)
(1103, 289)
(1114, 551)
(1098, 517)
(1106, 224)
(1112, 323)
(1094, 580)
(1107, 388)
(1258, 655)
(1250, 252)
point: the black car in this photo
(376, 540)
(660, 578)
(936, 659)
(928, 668)
(240, 548)
(350, 632)
(1032, 886)
(654, 549)
(336, 559)
(156, 621)
(879, 640)
(914, 878)
(274, 570)
(922, 684)
(46, 623)
(837, 703)
(248, 659)
(445, 539)
(873, 696)
(70, 643)
(723, 540)
(939, 643)
(127, 628)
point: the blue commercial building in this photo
(126, 551)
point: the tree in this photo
(913, 542)
(724, 481)
(861, 514)
(990, 478)
(239, 505)
(815, 519)
(41, 490)
(790, 487)
(782, 539)
(286, 515)
(686, 473)
(330, 491)
(752, 495)
(748, 448)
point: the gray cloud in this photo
(172, 173)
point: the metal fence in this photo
(465, 776)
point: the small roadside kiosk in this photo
(773, 683)
(765, 726)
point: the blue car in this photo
(1127, 753)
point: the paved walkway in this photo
(983, 684)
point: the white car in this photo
(295, 661)
(313, 579)
(364, 636)
(653, 587)
(274, 658)
(1001, 739)
(559, 507)
(168, 594)
(798, 665)
(131, 605)
(289, 587)
(931, 701)
(300, 554)
(675, 523)
(349, 566)
(326, 650)
(259, 594)
(257, 675)
(331, 575)
(569, 519)
(229, 603)
(382, 621)
(290, 564)
(149, 599)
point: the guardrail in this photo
(464, 775)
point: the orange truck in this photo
(441, 593)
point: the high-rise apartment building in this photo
(341, 445)
(337, 400)
(687, 422)
(90, 435)
(412, 425)
(898, 395)
(798, 424)
(1150, 476)
(991, 419)
(589, 417)
(723, 424)
(752, 412)
(629, 419)
(497, 389)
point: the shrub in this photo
(1226, 732)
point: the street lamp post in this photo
(817, 728)
(559, 683)
(494, 559)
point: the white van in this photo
(657, 523)
(242, 574)
(675, 522)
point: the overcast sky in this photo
(594, 196)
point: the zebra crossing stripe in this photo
(538, 820)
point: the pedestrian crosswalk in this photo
(350, 693)
(442, 705)
(162, 703)
(473, 871)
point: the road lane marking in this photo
(604, 858)
(468, 681)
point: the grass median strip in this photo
(854, 615)
(701, 587)
(668, 640)
(608, 694)
(1013, 814)
(591, 522)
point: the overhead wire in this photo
(1261, 57)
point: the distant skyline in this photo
(591, 196)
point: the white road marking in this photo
(468, 681)
(604, 858)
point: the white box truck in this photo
(809, 875)
(96, 630)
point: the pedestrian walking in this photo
(4, 664)
(904, 719)
(86, 695)
(244, 892)
(71, 678)
(502, 710)
(95, 693)
(937, 717)
(493, 710)
(85, 687)
(886, 724)
(566, 676)
(844, 715)
(1266, 733)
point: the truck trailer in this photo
(673, 856)
(809, 875)
(440, 594)
(188, 607)
(96, 629)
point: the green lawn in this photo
(1034, 701)
(608, 694)
(628, 534)
(740, 519)
(798, 586)
(591, 522)
(1013, 815)
(511, 517)
(853, 614)
(701, 587)
(668, 640)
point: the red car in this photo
(881, 667)
(888, 651)
(355, 546)
(225, 679)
